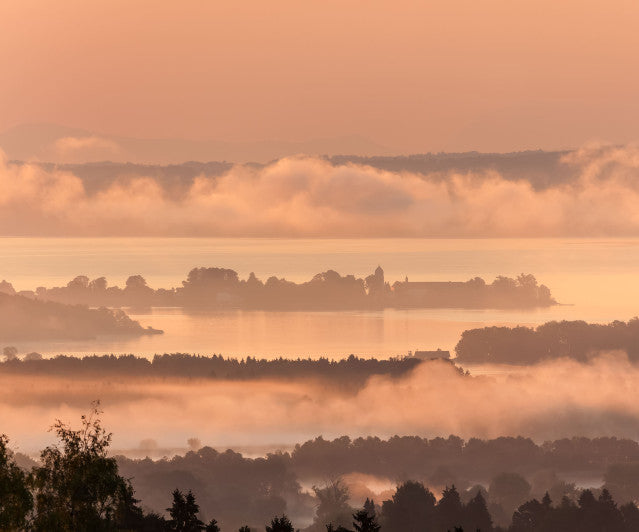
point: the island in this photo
(222, 288)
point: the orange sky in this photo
(411, 75)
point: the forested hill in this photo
(22, 318)
(576, 340)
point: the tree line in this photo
(222, 288)
(577, 340)
(351, 371)
(455, 460)
(77, 486)
(507, 471)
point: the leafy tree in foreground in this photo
(77, 487)
(15, 498)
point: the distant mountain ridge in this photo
(541, 169)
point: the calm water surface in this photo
(596, 280)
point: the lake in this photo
(594, 279)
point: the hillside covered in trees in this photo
(23, 318)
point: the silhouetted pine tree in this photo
(369, 506)
(476, 514)
(364, 522)
(184, 512)
(280, 524)
(449, 509)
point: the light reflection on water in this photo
(598, 279)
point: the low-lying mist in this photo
(306, 196)
(556, 399)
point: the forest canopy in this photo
(516, 485)
(577, 340)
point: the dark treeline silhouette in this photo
(542, 169)
(22, 318)
(506, 471)
(523, 345)
(77, 486)
(352, 370)
(441, 461)
(233, 489)
(589, 514)
(222, 288)
(412, 507)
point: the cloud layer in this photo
(552, 400)
(303, 196)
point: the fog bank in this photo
(548, 401)
(306, 196)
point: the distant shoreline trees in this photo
(221, 288)
(351, 371)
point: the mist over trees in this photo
(444, 483)
(77, 486)
(441, 461)
(541, 169)
(564, 339)
(220, 288)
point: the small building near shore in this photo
(430, 355)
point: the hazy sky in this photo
(412, 75)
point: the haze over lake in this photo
(594, 279)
